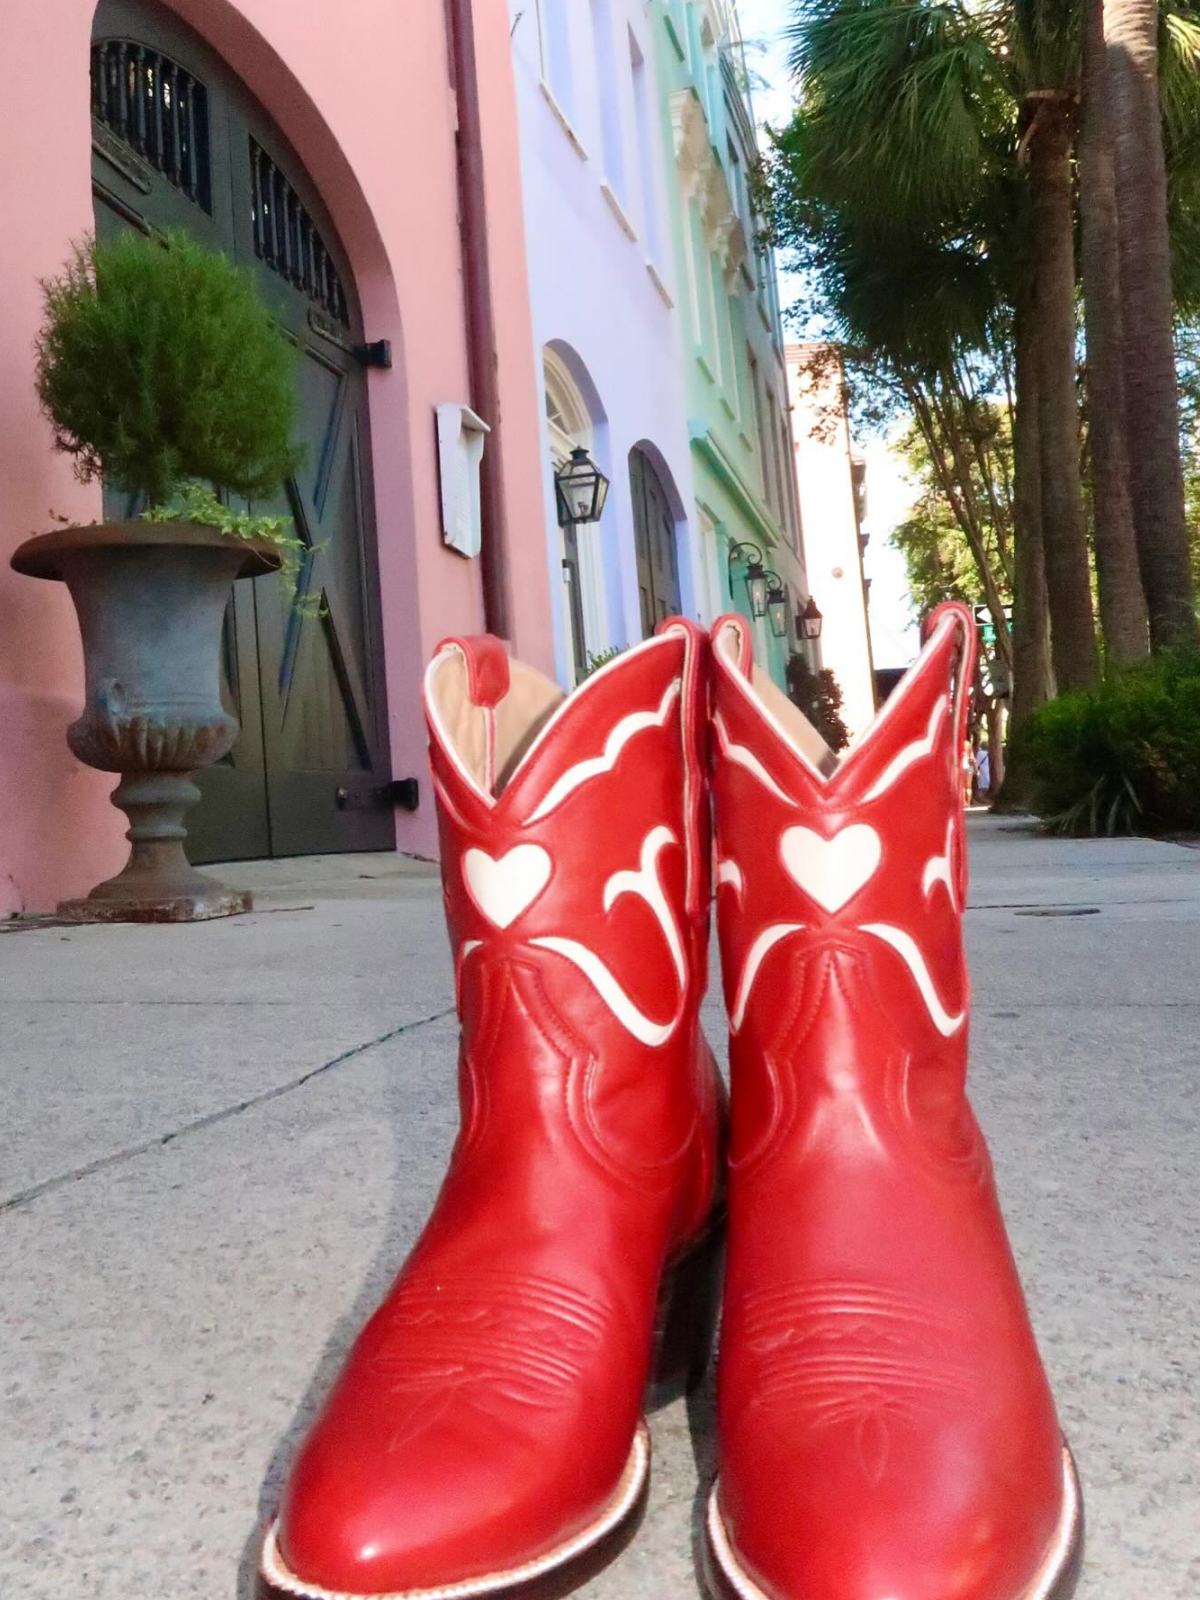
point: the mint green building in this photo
(743, 464)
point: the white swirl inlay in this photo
(584, 771)
(909, 951)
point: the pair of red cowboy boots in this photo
(886, 1431)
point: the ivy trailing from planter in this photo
(196, 502)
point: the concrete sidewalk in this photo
(217, 1143)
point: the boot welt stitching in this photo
(633, 1480)
(1062, 1546)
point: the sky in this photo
(889, 493)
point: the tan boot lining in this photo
(790, 718)
(531, 701)
(490, 740)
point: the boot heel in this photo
(685, 1321)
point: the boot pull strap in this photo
(962, 669)
(962, 665)
(487, 666)
(694, 724)
(731, 637)
(467, 679)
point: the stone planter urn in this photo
(151, 598)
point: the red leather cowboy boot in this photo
(886, 1431)
(486, 1432)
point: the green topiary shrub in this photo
(1122, 759)
(159, 364)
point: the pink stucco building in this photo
(318, 144)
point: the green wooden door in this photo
(179, 142)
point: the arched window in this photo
(567, 415)
(654, 542)
(568, 425)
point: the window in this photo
(694, 49)
(691, 257)
(567, 416)
(651, 223)
(760, 432)
(286, 238)
(158, 109)
(754, 256)
(737, 185)
(608, 93)
(712, 560)
(790, 509)
(712, 77)
(554, 23)
(717, 310)
(569, 423)
(773, 449)
(729, 354)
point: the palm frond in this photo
(900, 95)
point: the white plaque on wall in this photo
(460, 435)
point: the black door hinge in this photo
(376, 354)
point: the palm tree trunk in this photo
(995, 724)
(1072, 630)
(1151, 390)
(955, 482)
(1031, 637)
(1123, 617)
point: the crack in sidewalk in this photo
(211, 1118)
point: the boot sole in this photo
(724, 1579)
(548, 1578)
(684, 1325)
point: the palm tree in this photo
(1131, 32)
(1123, 616)
(1033, 679)
(1068, 582)
(916, 113)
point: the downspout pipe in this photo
(480, 316)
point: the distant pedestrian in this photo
(983, 769)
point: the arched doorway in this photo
(654, 543)
(178, 142)
(569, 424)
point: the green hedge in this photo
(1124, 758)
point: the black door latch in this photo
(402, 792)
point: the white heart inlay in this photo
(831, 871)
(503, 889)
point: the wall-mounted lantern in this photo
(756, 575)
(580, 489)
(777, 606)
(808, 621)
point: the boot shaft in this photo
(575, 856)
(880, 1395)
(840, 885)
